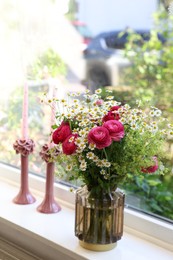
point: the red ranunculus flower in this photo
(61, 133)
(152, 168)
(112, 114)
(69, 146)
(100, 137)
(115, 128)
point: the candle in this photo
(25, 113)
(52, 116)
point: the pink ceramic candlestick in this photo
(24, 147)
(25, 113)
(24, 196)
(49, 205)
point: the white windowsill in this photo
(51, 236)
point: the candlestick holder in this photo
(24, 147)
(49, 205)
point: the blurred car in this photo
(104, 59)
(84, 31)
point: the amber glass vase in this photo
(99, 219)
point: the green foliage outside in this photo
(150, 78)
(71, 15)
(151, 74)
(48, 64)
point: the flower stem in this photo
(105, 154)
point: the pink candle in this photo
(25, 113)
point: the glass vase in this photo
(99, 221)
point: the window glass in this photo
(72, 45)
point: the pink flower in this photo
(112, 114)
(69, 146)
(152, 168)
(61, 133)
(99, 102)
(100, 137)
(115, 128)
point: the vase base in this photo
(48, 208)
(97, 247)
(24, 199)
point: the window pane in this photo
(79, 44)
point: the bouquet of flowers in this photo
(104, 142)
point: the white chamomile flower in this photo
(133, 117)
(69, 167)
(82, 132)
(154, 128)
(107, 164)
(134, 126)
(141, 131)
(69, 115)
(63, 101)
(102, 172)
(95, 158)
(122, 120)
(75, 130)
(86, 121)
(76, 101)
(120, 110)
(82, 123)
(152, 113)
(82, 146)
(87, 129)
(99, 163)
(163, 131)
(79, 150)
(110, 97)
(135, 111)
(79, 117)
(92, 146)
(87, 97)
(81, 108)
(96, 109)
(108, 91)
(76, 107)
(158, 112)
(98, 91)
(144, 124)
(72, 94)
(80, 158)
(83, 165)
(126, 106)
(106, 176)
(78, 141)
(90, 155)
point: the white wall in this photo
(105, 15)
